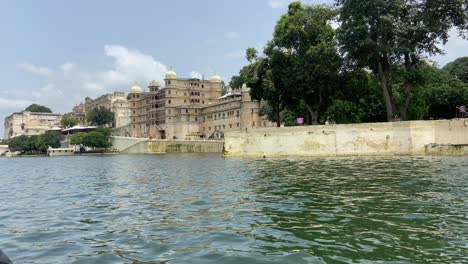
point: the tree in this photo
(100, 116)
(18, 143)
(38, 108)
(303, 56)
(442, 92)
(51, 138)
(380, 35)
(258, 76)
(78, 138)
(68, 121)
(458, 68)
(96, 139)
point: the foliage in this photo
(36, 143)
(304, 62)
(77, 138)
(442, 92)
(99, 138)
(100, 116)
(38, 108)
(380, 35)
(68, 121)
(458, 69)
(225, 89)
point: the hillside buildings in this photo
(30, 123)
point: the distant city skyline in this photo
(56, 53)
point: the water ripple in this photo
(207, 209)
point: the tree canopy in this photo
(100, 116)
(371, 68)
(458, 68)
(380, 35)
(36, 143)
(99, 138)
(38, 109)
(68, 121)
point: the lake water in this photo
(207, 209)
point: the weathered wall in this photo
(397, 138)
(148, 146)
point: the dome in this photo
(154, 83)
(216, 78)
(171, 75)
(135, 89)
(245, 88)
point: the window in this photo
(168, 82)
(185, 101)
(168, 101)
(224, 126)
(202, 86)
(203, 102)
(196, 118)
(169, 92)
(186, 111)
(230, 125)
(209, 128)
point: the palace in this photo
(189, 109)
(30, 123)
(186, 108)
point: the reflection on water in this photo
(207, 209)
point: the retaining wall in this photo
(395, 138)
(148, 146)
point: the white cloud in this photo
(237, 54)
(62, 91)
(279, 3)
(13, 105)
(196, 75)
(455, 48)
(36, 70)
(231, 35)
(67, 67)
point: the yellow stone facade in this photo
(186, 108)
(30, 123)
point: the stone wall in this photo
(148, 146)
(396, 138)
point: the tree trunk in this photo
(313, 115)
(405, 105)
(387, 91)
(278, 120)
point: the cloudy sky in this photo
(56, 52)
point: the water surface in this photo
(207, 209)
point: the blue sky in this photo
(56, 52)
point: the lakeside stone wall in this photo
(148, 146)
(396, 138)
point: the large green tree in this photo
(379, 34)
(458, 68)
(100, 116)
(38, 108)
(303, 56)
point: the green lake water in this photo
(208, 209)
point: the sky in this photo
(56, 52)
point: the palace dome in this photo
(216, 78)
(135, 89)
(171, 75)
(245, 88)
(154, 83)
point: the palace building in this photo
(189, 109)
(30, 123)
(186, 108)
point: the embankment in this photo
(441, 137)
(149, 146)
